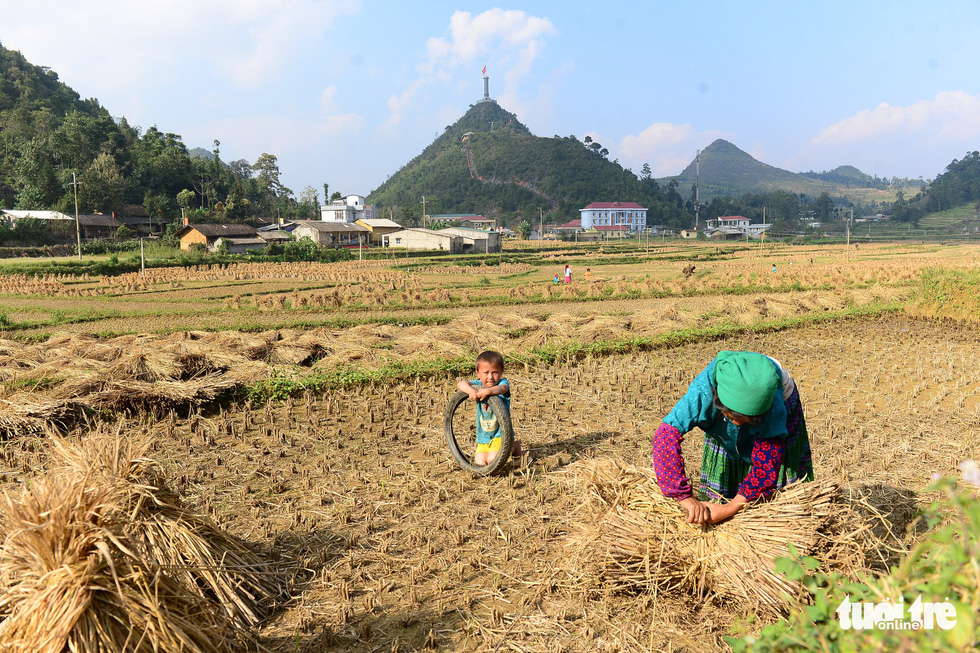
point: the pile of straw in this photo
(643, 542)
(101, 556)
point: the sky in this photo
(346, 92)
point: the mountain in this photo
(727, 170)
(489, 163)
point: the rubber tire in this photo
(506, 435)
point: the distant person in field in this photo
(755, 436)
(489, 382)
(773, 267)
(557, 279)
(588, 274)
(568, 274)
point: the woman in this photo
(755, 436)
(568, 274)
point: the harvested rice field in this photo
(357, 530)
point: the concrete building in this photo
(379, 228)
(348, 209)
(426, 239)
(477, 241)
(739, 223)
(606, 214)
(331, 234)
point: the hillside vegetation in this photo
(489, 163)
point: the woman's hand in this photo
(722, 511)
(697, 512)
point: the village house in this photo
(275, 236)
(379, 228)
(330, 233)
(426, 239)
(349, 209)
(737, 222)
(207, 235)
(477, 241)
(610, 231)
(13, 215)
(96, 225)
(630, 215)
(724, 233)
(240, 245)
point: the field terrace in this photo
(301, 407)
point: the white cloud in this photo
(950, 117)
(246, 41)
(667, 147)
(475, 36)
(507, 42)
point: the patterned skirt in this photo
(721, 473)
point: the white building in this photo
(349, 209)
(736, 221)
(426, 239)
(741, 223)
(608, 214)
(13, 216)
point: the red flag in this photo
(484, 70)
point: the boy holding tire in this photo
(489, 382)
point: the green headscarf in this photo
(746, 381)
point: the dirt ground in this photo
(403, 551)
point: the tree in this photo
(101, 186)
(645, 172)
(336, 196)
(823, 207)
(308, 207)
(524, 228)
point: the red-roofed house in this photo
(628, 215)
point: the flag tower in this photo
(486, 85)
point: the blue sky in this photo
(346, 92)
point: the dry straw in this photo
(101, 556)
(642, 541)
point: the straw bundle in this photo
(102, 556)
(643, 542)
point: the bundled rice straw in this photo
(102, 556)
(643, 541)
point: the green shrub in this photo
(943, 568)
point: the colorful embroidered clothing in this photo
(487, 426)
(751, 459)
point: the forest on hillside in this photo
(48, 134)
(490, 163)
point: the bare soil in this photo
(405, 551)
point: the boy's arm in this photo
(502, 388)
(466, 387)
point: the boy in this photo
(489, 382)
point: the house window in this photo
(398, 241)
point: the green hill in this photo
(846, 176)
(727, 170)
(489, 163)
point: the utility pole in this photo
(78, 228)
(423, 211)
(540, 229)
(762, 236)
(697, 190)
